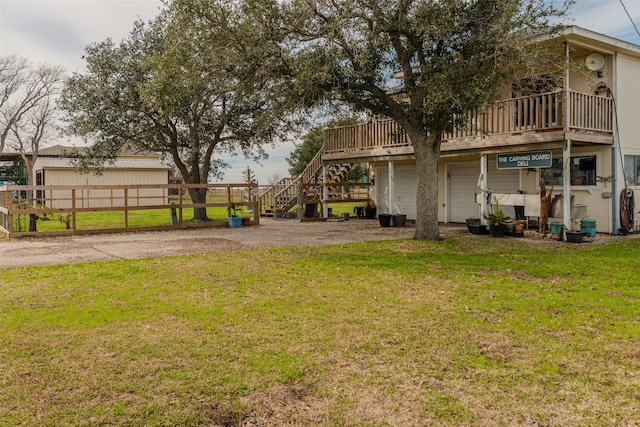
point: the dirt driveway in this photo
(22, 252)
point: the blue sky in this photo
(56, 32)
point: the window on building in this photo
(583, 171)
(632, 169)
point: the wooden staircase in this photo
(278, 199)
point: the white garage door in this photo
(463, 180)
(463, 186)
(405, 190)
(504, 181)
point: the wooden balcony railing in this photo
(533, 113)
(381, 133)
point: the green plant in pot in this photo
(473, 221)
(496, 220)
(233, 219)
(232, 208)
(475, 227)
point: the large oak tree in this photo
(423, 63)
(174, 88)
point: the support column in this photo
(614, 190)
(566, 152)
(566, 185)
(484, 187)
(325, 193)
(614, 160)
(392, 186)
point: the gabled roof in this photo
(8, 156)
(58, 150)
(595, 40)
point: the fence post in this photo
(300, 210)
(126, 211)
(73, 209)
(180, 195)
(256, 203)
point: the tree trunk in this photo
(199, 195)
(427, 151)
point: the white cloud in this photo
(608, 17)
(57, 31)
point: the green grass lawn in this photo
(482, 332)
(137, 218)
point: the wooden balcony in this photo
(527, 120)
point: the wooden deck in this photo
(529, 120)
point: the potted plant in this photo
(399, 220)
(509, 228)
(233, 219)
(519, 228)
(496, 220)
(370, 210)
(574, 236)
(385, 220)
(475, 227)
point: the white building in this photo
(589, 122)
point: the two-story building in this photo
(581, 135)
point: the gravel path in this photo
(26, 251)
(23, 252)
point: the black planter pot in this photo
(497, 230)
(369, 213)
(478, 229)
(385, 220)
(399, 220)
(310, 210)
(574, 236)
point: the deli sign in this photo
(537, 159)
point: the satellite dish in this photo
(595, 61)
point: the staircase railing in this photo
(312, 168)
(284, 194)
(267, 196)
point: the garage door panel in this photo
(502, 181)
(463, 186)
(404, 190)
(463, 179)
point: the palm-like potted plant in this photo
(496, 220)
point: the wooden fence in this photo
(312, 195)
(170, 205)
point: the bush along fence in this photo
(65, 210)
